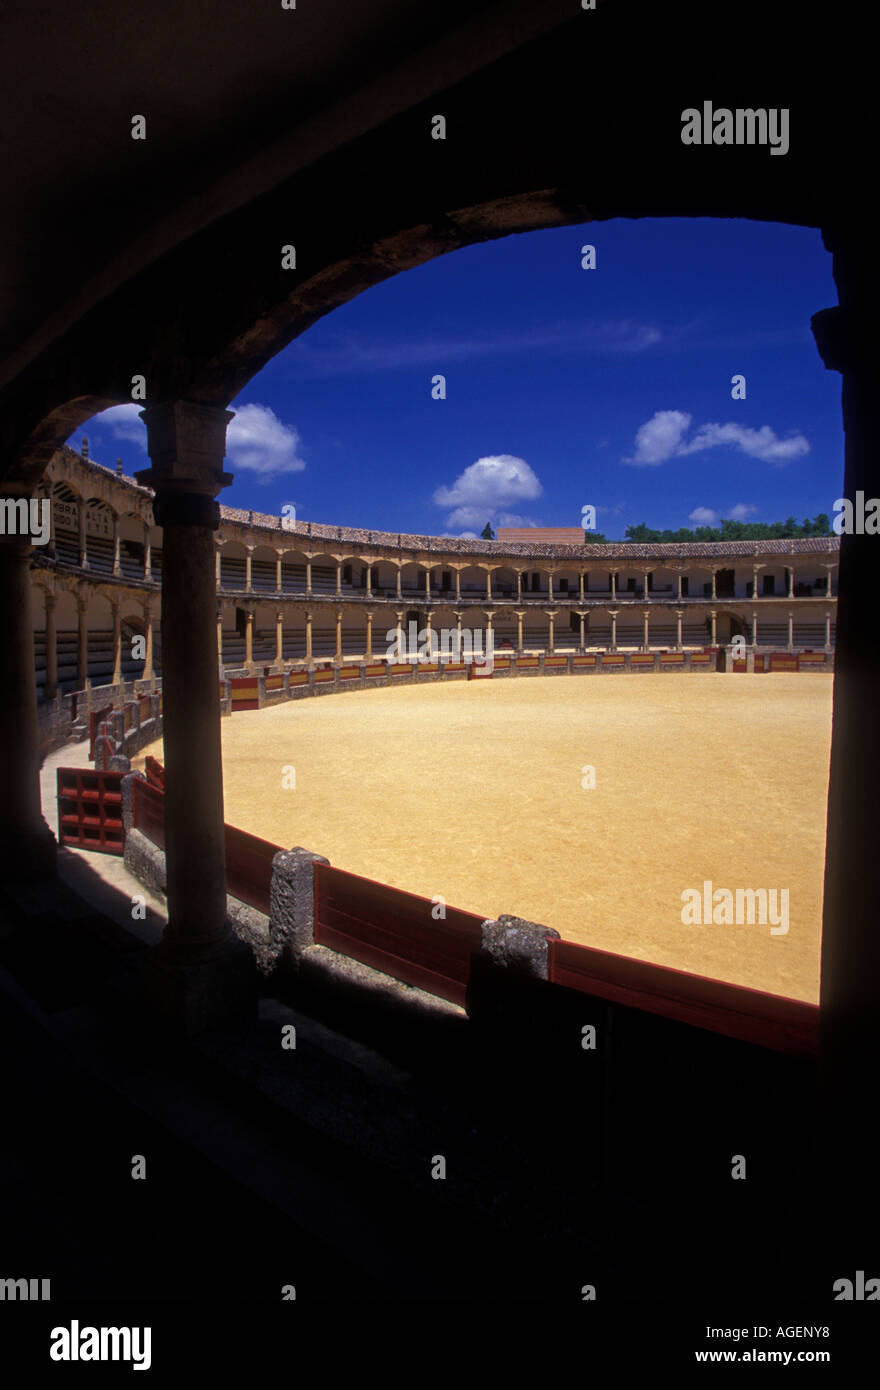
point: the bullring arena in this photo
(481, 792)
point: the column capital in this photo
(186, 442)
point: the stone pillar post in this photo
(427, 583)
(248, 568)
(613, 614)
(83, 546)
(117, 568)
(116, 610)
(309, 636)
(27, 846)
(613, 574)
(220, 635)
(550, 584)
(399, 580)
(646, 641)
(828, 593)
(551, 616)
(279, 637)
(277, 573)
(219, 569)
(308, 578)
(457, 585)
(519, 631)
(519, 575)
(581, 587)
(369, 581)
(678, 617)
(714, 594)
(828, 632)
(581, 616)
(339, 635)
(196, 978)
(754, 629)
(791, 632)
(148, 642)
(339, 579)
(790, 593)
(458, 617)
(148, 558)
(82, 643)
(369, 617)
(680, 577)
(249, 638)
(713, 616)
(488, 586)
(51, 687)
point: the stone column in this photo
(646, 641)
(220, 635)
(613, 574)
(279, 638)
(790, 593)
(754, 629)
(117, 570)
(399, 580)
(850, 968)
(148, 642)
(148, 559)
(248, 568)
(488, 586)
(339, 635)
(458, 617)
(713, 616)
(308, 578)
(249, 639)
(714, 595)
(550, 584)
(428, 634)
(680, 577)
(369, 581)
(427, 583)
(309, 636)
(51, 686)
(116, 610)
(828, 632)
(519, 575)
(581, 587)
(679, 614)
(219, 569)
(613, 615)
(83, 546)
(338, 579)
(755, 569)
(82, 643)
(520, 614)
(197, 977)
(277, 573)
(27, 846)
(581, 616)
(791, 632)
(369, 617)
(551, 616)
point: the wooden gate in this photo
(90, 809)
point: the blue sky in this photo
(564, 387)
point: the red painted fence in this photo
(90, 809)
(394, 931)
(769, 1020)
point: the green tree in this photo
(487, 534)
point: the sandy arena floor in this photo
(473, 791)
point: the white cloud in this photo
(762, 444)
(741, 511)
(661, 438)
(486, 487)
(703, 516)
(256, 439)
(708, 516)
(658, 439)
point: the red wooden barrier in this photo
(245, 692)
(96, 717)
(155, 772)
(249, 868)
(148, 811)
(90, 809)
(394, 931)
(769, 1020)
